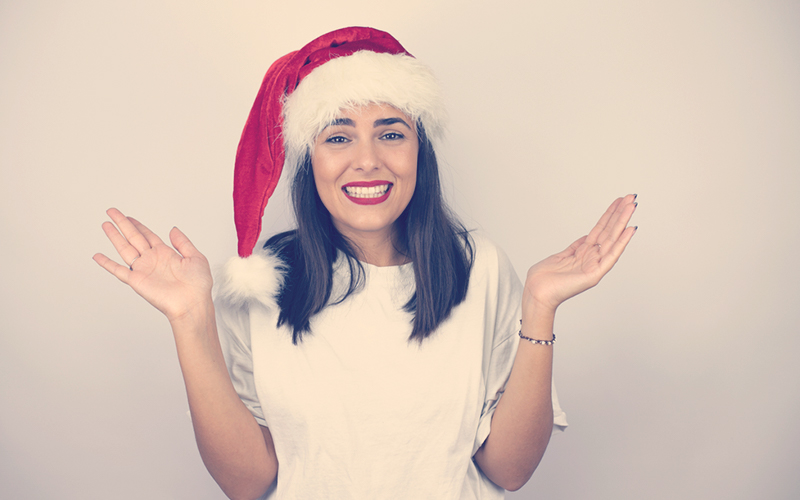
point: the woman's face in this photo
(365, 169)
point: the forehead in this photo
(372, 111)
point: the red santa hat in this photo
(306, 90)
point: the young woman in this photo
(363, 354)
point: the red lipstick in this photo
(366, 184)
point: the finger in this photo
(121, 272)
(608, 260)
(151, 237)
(577, 243)
(618, 222)
(125, 250)
(134, 237)
(598, 228)
(182, 243)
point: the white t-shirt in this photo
(356, 410)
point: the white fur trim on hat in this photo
(361, 78)
(257, 278)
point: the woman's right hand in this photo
(177, 283)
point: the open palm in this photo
(175, 281)
(584, 263)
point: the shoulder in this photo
(254, 279)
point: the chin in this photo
(365, 227)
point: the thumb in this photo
(182, 243)
(570, 250)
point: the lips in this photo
(367, 193)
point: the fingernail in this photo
(635, 196)
(635, 204)
(635, 228)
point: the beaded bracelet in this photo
(535, 341)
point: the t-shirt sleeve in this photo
(233, 325)
(504, 303)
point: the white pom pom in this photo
(257, 278)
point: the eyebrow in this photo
(378, 123)
(390, 121)
(341, 121)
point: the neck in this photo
(376, 248)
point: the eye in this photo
(392, 136)
(336, 139)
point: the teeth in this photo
(366, 192)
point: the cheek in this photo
(404, 163)
(323, 184)
(324, 175)
(330, 163)
(409, 187)
(412, 172)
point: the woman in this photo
(367, 350)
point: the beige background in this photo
(679, 373)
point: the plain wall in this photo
(678, 373)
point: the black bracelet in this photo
(535, 341)
(541, 342)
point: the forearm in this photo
(523, 420)
(230, 441)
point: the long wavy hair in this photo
(427, 232)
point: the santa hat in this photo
(304, 91)
(301, 94)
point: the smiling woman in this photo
(375, 351)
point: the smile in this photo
(367, 194)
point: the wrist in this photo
(199, 313)
(537, 324)
(537, 302)
(534, 311)
(549, 342)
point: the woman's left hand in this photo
(584, 263)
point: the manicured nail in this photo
(635, 204)
(635, 196)
(635, 228)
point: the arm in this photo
(238, 452)
(523, 420)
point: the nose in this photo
(366, 156)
